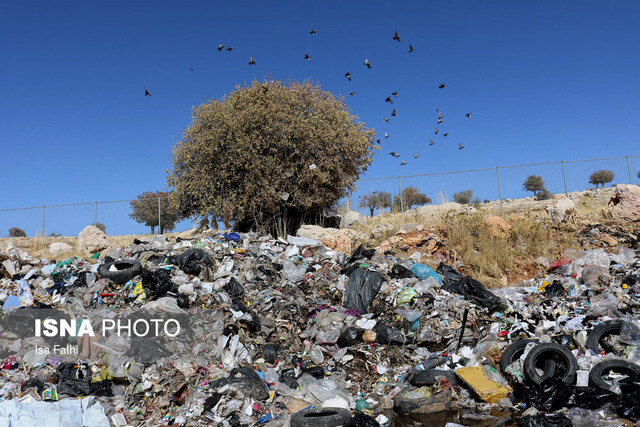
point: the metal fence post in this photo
(499, 187)
(95, 213)
(629, 168)
(564, 175)
(401, 198)
(42, 221)
(159, 217)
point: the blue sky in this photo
(544, 81)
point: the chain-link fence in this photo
(495, 183)
(487, 184)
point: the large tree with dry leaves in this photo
(272, 153)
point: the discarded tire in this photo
(424, 377)
(320, 417)
(513, 352)
(595, 339)
(124, 271)
(414, 401)
(566, 364)
(616, 365)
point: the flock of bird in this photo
(388, 99)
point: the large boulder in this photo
(626, 203)
(315, 231)
(58, 248)
(92, 239)
(344, 241)
(498, 227)
(559, 210)
(350, 218)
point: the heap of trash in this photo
(245, 329)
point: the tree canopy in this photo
(411, 196)
(463, 197)
(533, 183)
(271, 152)
(145, 211)
(377, 199)
(601, 177)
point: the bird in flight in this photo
(445, 134)
(431, 142)
(220, 47)
(146, 92)
(367, 64)
(436, 130)
(460, 146)
(352, 93)
(388, 99)
(440, 115)
(411, 49)
(313, 31)
(402, 163)
(442, 85)
(393, 153)
(393, 113)
(251, 61)
(386, 119)
(396, 37)
(468, 115)
(307, 57)
(377, 141)
(191, 68)
(348, 75)
(415, 155)
(395, 94)
(230, 48)
(386, 135)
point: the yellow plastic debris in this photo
(625, 286)
(488, 390)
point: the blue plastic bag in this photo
(423, 271)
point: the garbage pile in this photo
(244, 329)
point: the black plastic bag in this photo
(399, 271)
(157, 283)
(147, 350)
(629, 406)
(592, 397)
(549, 396)
(270, 353)
(388, 335)
(360, 253)
(192, 261)
(545, 420)
(362, 288)
(361, 420)
(555, 289)
(234, 288)
(73, 379)
(102, 388)
(350, 336)
(244, 380)
(470, 288)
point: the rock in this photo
(381, 231)
(626, 203)
(559, 210)
(187, 234)
(409, 227)
(434, 210)
(315, 232)
(498, 227)
(609, 240)
(369, 336)
(92, 239)
(343, 241)
(58, 248)
(350, 218)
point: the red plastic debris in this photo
(559, 263)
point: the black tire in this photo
(126, 270)
(513, 352)
(617, 365)
(422, 377)
(541, 353)
(320, 417)
(603, 330)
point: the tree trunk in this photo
(153, 230)
(371, 209)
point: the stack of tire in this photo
(552, 360)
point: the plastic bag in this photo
(470, 288)
(350, 336)
(550, 395)
(388, 335)
(192, 261)
(362, 288)
(424, 271)
(545, 420)
(292, 272)
(157, 283)
(233, 288)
